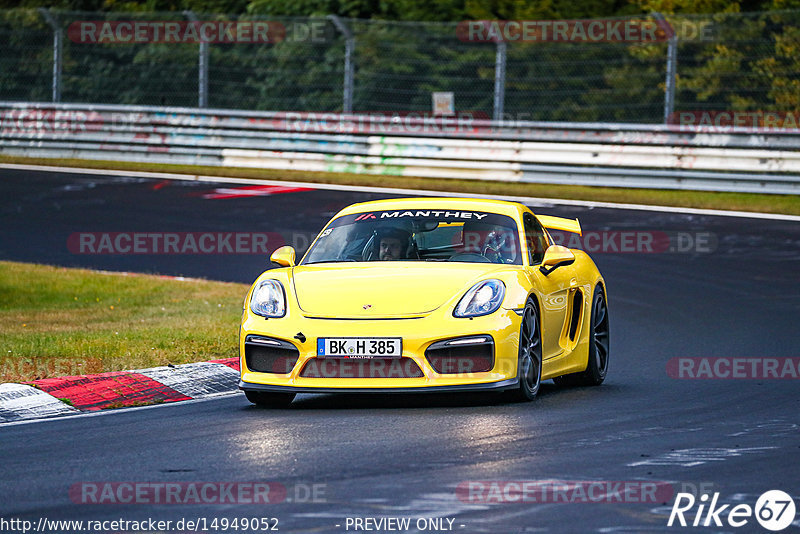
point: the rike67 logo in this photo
(774, 510)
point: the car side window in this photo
(535, 239)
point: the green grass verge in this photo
(788, 204)
(56, 321)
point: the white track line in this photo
(401, 191)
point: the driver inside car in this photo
(393, 244)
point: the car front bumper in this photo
(418, 334)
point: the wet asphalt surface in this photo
(733, 293)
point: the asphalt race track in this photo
(736, 295)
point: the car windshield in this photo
(418, 235)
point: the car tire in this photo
(597, 365)
(269, 399)
(529, 360)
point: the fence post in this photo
(202, 67)
(58, 34)
(349, 69)
(672, 69)
(672, 66)
(499, 80)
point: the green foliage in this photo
(441, 10)
(750, 64)
(740, 61)
(781, 70)
(94, 322)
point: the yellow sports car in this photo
(426, 295)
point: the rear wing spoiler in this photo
(559, 223)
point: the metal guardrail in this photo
(617, 155)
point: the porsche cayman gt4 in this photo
(426, 295)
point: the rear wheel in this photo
(529, 363)
(269, 399)
(597, 366)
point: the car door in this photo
(556, 288)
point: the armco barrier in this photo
(624, 155)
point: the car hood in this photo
(387, 289)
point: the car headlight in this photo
(482, 299)
(268, 299)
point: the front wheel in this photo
(597, 366)
(529, 363)
(269, 399)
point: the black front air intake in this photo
(268, 355)
(473, 354)
(358, 368)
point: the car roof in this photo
(512, 209)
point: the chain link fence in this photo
(712, 62)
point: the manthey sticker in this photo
(432, 215)
(421, 214)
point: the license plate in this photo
(359, 347)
